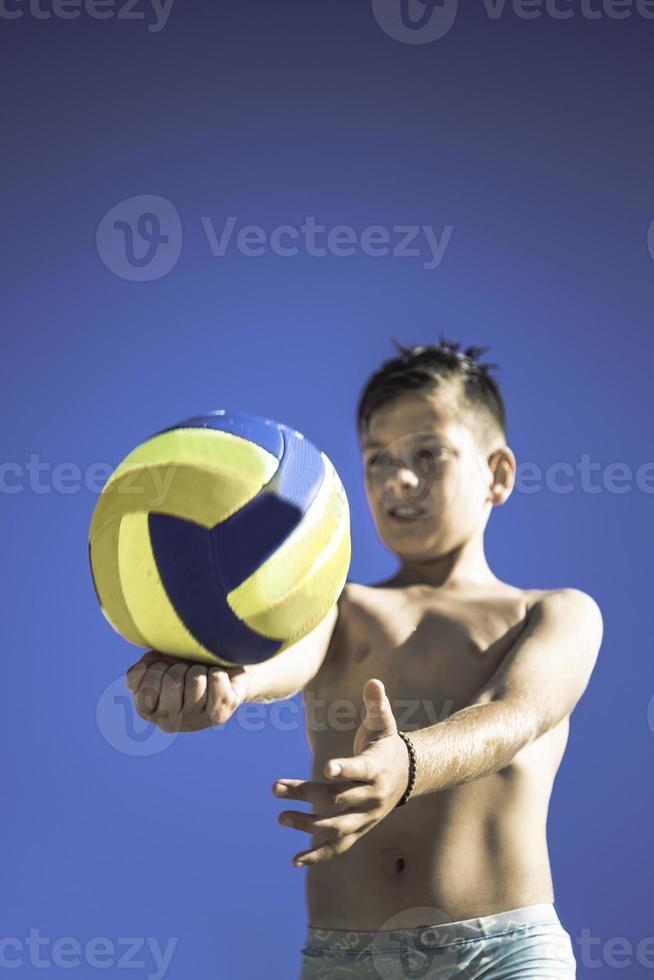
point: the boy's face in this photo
(420, 455)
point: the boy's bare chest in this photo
(433, 656)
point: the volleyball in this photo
(223, 539)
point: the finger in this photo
(195, 689)
(325, 852)
(156, 656)
(379, 719)
(221, 701)
(331, 828)
(151, 657)
(293, 789)
(134, 676)
(240, 681)
(321, 795)
(358, 795)
(137, 671)
(171, 697)
(146, 698)
(356, 767)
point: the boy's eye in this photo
(420, 458)
(427, 455)
(382, 459)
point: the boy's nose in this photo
(395, 489)
(407, 478)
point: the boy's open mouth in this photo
(405, 512)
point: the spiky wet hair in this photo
(430, 367)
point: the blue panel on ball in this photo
(184, 555)
(262, 432)
(251, 535)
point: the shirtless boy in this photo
(452, 880)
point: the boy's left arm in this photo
(538, 683)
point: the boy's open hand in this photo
(366, 786)
(180, 696)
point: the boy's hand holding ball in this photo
(179, 696)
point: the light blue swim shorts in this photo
(527, 942)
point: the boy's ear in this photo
(502, 464)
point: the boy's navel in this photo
(392, 863)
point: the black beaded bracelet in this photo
(412, 768)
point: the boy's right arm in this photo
(290, 671)
(179, 695)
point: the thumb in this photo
(379, 719)
(240, 683)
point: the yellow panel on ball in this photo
(146, 597)
(198, 474)
(209, 449)
(103, 557)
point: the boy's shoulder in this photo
(376, 614)
(359, 597)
